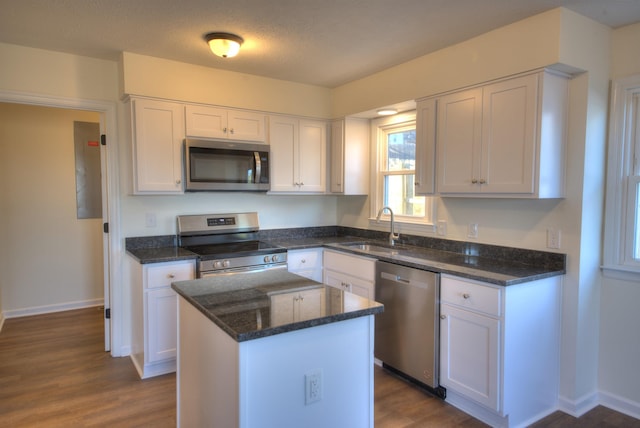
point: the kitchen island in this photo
(273, 349)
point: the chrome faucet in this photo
(392, 236)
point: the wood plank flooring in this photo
(54, 373)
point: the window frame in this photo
(623, 181)
(402, 222)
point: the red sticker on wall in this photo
(93, 143)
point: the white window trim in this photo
(403, 224)
(621, 184)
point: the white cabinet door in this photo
(469, 354)
(312, 151)
(247, 126)
(229, 124)
(349, 283)
(504, 139)
(283, 138)
(350, 273)
(350, 156)
(306, 262)
(162, 324)
(508, 136)
(298, 155)
(425, 147)
(158, 131)
(459, 141)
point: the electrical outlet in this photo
(150, 219)
(442, 227)
(313, 386)
(473, 230)
(553, 238)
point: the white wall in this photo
(619, 378)
(49, 259)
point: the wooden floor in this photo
(54, 373)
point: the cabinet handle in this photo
(224, 130)
(301, 184)
(231, 131)
(301, 298)
(474, 181)
(171, 276)
(416, 183)
(483, 181)
(466, 295)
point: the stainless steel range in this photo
(228, 243)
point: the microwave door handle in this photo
(256, 156)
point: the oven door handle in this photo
(247, 269)
(256, 156)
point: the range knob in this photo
(274, 258)
(217, 264)
(226, 263)
(267, 259)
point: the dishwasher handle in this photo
(399, 279)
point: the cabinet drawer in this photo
(361, 267)
(163, 274)
(471, 295)
(304, 259)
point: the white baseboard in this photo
(620, 404)
(579, 407)
(1, 320)
(38, 310)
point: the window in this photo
(396, 144)
(622, 216)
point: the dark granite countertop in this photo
(252, 305)
(494, 264)
(526, 265)
(161, 254)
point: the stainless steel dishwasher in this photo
(407, 338)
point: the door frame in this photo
(111, 202)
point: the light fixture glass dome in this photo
(225, 45)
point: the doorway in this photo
(51, 259)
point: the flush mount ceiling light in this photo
(225, 45)
(387, 111)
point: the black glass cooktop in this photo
(234, 249)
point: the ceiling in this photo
(319, 42)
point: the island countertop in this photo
(258, 304)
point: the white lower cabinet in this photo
(306, 262)
(154, 319)
(499, 348)
(350, 273)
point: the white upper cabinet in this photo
(222, 123)
(157, 134)
(505, 139)
(350, 156)
(425, 146)
(298, 155)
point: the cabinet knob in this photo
(301, 184)
(483, 181)
(303, 261)
(171, 276)
(231, 131)
(443, 317)
(474, 181)
(178, 181)
(466, 295)
(224, 130)
(416, 183)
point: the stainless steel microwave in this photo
(220, 165)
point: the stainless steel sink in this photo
(373, 248)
